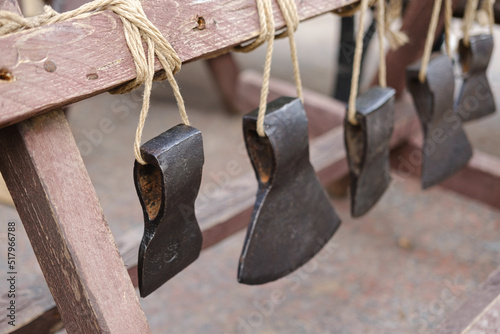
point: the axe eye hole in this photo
(150, 187)
(261, 154)
(465, 56)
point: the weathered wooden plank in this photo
(64, 222)
(478, 314)
(229, 209)
(90, 54)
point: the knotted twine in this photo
(136, 28)
(351, 111)
(485, 16)
(267, 29)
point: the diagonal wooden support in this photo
(478, 314)
(479, 180)
(65, 224)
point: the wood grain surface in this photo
(64, 221)
(88, 56)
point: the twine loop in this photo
(484, 16)
(385, 17)
(267, 30)
(136, 28)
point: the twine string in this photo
(469, 17)
(448, 11)
(267, 29)
(351, 112)
(429, 40)
(381, 24)
(136, 28)
(396, 38)
(486, 15)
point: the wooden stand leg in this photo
(64, 221)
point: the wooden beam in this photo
(65, 224)
(55, 65)
(459, 9)
(229, 209)
(11, 6)
(479, 180)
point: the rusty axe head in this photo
(167, 187)
(292, 217)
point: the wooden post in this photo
(225, 72)
(65, 224)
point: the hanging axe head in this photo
(446, 148)
(292, 218)
(167, 187)
(476, 99)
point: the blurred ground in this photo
(399, 269)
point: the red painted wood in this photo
(91, 56)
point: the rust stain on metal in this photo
(111, 64)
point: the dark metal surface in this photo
(476, 98)
(167, 188)
(446, 148)
(292, 217)
(367, 146)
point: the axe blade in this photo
(167, 187)
(446, 148)
(476, 99)
(367, 146)
(292, 217)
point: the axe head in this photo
(476, 99)
(292, 218)
(167, 187)
(446, 148)
(367, 146)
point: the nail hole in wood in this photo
(201, 23)
(6, 75)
